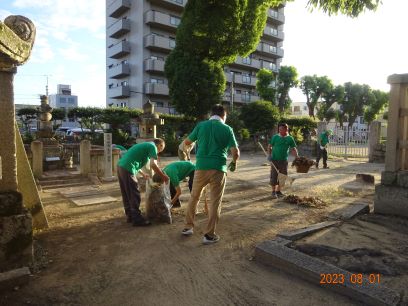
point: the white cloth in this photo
(216, 117)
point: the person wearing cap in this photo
(322, 142)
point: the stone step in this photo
(63, 181)
(67, 185)
(60, 177)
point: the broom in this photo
(282, 178)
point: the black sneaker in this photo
(210, 240)
(128, 219)
(279, 194)
(140, 221)
(274, 195)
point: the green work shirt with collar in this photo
(178, 171)
(138, 156)
(214, 139)
(324, 139)
(280, 146)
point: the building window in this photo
(273, 31)
(62, 100)
(246, 78)
(273, 13)
(157, 81)
(124, 83)
(174, 20)
(178, 1)
(172, 42)
(296, 109)
(246, 60)
(154, 57)
(246, 96)
(272, 49)
(110, 85)
(159, 104)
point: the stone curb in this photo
(350, 211)
(277, 254)
(303, 232)
(13, 278)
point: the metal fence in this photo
(348, 142)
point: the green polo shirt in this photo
(324, 139)
(280, 146)
(214, 139)
(138, 156)
(178, 171)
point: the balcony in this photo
(119, 28)
(240, 98)
(155, 65)
(269, 65)
(174, 5)
(156, 89)
(269, 50)
(119, 92)
(119, 71)
(119, 50)
(276, 17)
(240, 79)
(158, 43)
(161, 20)
(247, 63)
(118, 8)
(273, 34)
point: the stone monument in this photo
(17, 34)
(52, 152)
(148, 122)
(391, 196)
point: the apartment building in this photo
(64, 99)
(141, 34)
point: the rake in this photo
(282, 178)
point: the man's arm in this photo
(235, 154)
(269, 150)
(187, 142)
(295, 152)
(177, 195)
(155, 167)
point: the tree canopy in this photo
(260, 116)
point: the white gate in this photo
(349, 142)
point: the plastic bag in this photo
(158, 201)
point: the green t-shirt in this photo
(324, 139)
(280, 146)
(178, 171)
(138, 156)
(214, 139)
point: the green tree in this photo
(377, 106)
(350, 8)
(87, 117)
(266, 85)
(58, 114)
(287, 79)
(26, 116)
(313, 88)
(260, 116)
(356, 98)
(329, 97)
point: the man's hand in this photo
(165, 178)
(232, 166)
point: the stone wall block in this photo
(388, 177)
(402, 179)
(16, 249)
(11, 203)
(392, 200)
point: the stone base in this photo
(16, 241)
(391, 200)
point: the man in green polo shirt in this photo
(177, 171)
(214, 139)
(321, 148)
(128, 166)
(278, 152)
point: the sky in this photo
(70, 46)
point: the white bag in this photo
(158, 201)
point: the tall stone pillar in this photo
(374, 138)
(17, 35)
(391, 196)
(85, 157)
(7, 133)
(37, 150)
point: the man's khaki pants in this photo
(217, 180)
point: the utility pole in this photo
(232, 90)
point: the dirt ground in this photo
(91, 256)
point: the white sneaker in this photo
(210, 240)
(187, 232)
